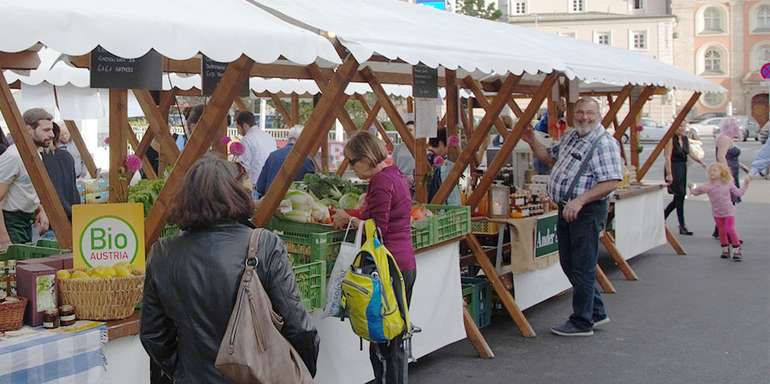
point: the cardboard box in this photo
(57, 262)
(36, 282)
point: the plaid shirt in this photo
(604, 165)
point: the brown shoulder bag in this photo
(253, 349)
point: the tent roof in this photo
(221, 30)
(401, 31)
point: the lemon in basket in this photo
(79, 275)
(63, 274)
(122, 271)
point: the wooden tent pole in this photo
(515, 107)
(633, 111)
(616, 105)
(668, 136)
(452, 105)
(476, 140)
(146, 166)
(205, 133)
(475, 88)
(476, 337)
(372, 118)
(678, 248)
(80, 144)
(604, 281)
(281, 108)
(320, 121)
(157, 123)
(513, 139)
(118, 111)
(166, 101)
(390, 109)
(295, 108)
(38, 174)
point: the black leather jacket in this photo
(190, 290)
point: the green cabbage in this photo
(349, 201)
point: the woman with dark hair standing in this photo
(677, 152)
(389, 203)
(192, 278)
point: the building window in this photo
(638, 4)
(603, 38)
(763, 19)
(517, 7)
(712, 61)
(577, 6)
(761, 56)
(713, 100)
(712, 20)
(639, 39)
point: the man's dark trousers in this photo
(578, 253)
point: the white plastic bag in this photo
(348, 252)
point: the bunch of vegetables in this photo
(146, 192)
(314, 199)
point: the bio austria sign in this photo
(108, 234)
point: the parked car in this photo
(749, 128)
(708, 115)
(706, 127)
(652, 130)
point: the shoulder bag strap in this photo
(584, 164)
(251, 255)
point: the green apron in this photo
(19, 226)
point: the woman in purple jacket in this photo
(389, 203)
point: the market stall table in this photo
(639, 222)
(65, 355)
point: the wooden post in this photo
(452, 104)
(609, 244)
(228, 89)
(510, 143)
(80, 144)
(118, 145)
(616, 105)
(372, 118)
(295, 108)
(475, 336)
(157, 123)
(319, 122)
(38, 174)
(422, 168)
(633, 111)
(668, 136)
(475, 88)
(515, 107)
(604, 281)
(167, 99)
(278, 104)
(674, 242)
(614, 121)
(634, 143)
(504, 294)
(477, 139)
(390, 109)
(146, 166)
(553, 111)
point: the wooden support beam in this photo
(343, 166)
(371, 118)
(615, 106)
(479, 136)
(241, 105)
(24, 60)
(38, 174)
(281, 108)
(614, 120)
(668, 136)
(633, 147)
(603, 281)
(678, 247)
(620, 261)
(319, 122)
(475, 88)
(515, 107)
(146, 165)
(118, 111)
(295, 108)
(421, 170)
(80, 144)
(510, 143)
(634, 110)
(475, 336)
(452, 105)
(201, 139)
(504, 294)
(390, 109)
(158, 123)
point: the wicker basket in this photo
(12, 315)
(102, 299)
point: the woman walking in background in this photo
(677, 152)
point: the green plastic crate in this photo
(311, 281)
(477, 293)
(23, 252)
(422, 234)
(449, 221)
(47, 244)
(308, 243)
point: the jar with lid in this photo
(11, 277)
(51, 319)
(67, 313)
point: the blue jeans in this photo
(578, 253)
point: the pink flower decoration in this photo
(225, 140)
(107, 140)
(133, 163)
(453, 141)
(640, 128)
(237, 148)
(438, 161)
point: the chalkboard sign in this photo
(110, 71)
(212, 72)
(424, 81)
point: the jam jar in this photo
(67, 315)
(51, 319)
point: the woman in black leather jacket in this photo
(192, 278)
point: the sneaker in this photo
(737, 254)
(569, 330)
(599, 323)
(684, 231)
(725, 253)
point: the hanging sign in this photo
(110, 71)
(108, 234)
(212, 72)
(424, 81)
(546, 242)
(765, 72)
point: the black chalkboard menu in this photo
(424, 81)
(212, 72)
(110, 71)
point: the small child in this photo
(721, 189)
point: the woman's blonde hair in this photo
(364, 145)
(724, 172)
